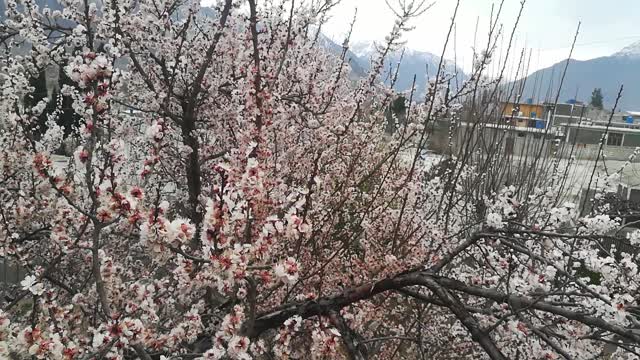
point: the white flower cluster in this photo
(634, 238)
(287, 271)
(32, 284)
(502, 208)
(155, 132)
(237, 347)
(563, 214)
(282, 347)
(599, 224)
(40, 344)
(40, 106)
(326, 343)
(156, 236)
(84, 70)
(494, 220)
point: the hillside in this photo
(607, 72)
(356, 63)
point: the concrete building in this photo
(583, 141)
(628, 117)
(512, 139)
(619, 134)
(527, 115)
(567, 113)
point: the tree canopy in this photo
(234, 194)
(596, 98)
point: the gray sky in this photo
(546, 26)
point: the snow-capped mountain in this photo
(423, 65)
(336, 49)
(632, 50)
(363, 49)
(367, 49)
(607, 73)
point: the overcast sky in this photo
(546, 26)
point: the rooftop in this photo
(619, 127)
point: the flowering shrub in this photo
(254, 207)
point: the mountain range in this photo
(607, 73)
(423, 65)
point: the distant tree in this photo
(596, 98)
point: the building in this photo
(576, 130)
(583, 139)
(511, 139)
(527, 114)
(533, 115)
(569, 113)
(628, 117)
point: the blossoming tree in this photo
(234, 195)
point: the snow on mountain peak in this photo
(366, 49)
(632, 50)
(363, 49)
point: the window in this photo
(614, 139)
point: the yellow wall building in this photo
(523, 113)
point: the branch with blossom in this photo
(253, 205)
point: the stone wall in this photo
(520, 143)
(590, 152)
